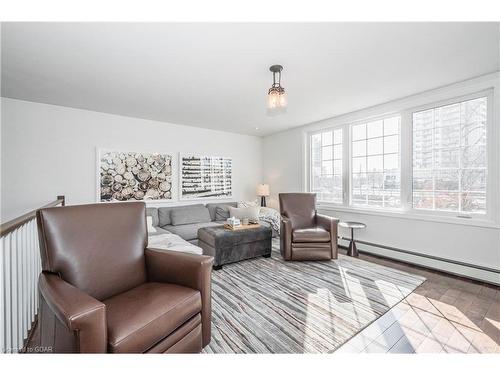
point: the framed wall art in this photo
(133, 176)
(204, 177)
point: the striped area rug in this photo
(267, 305)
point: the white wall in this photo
(50, 150)
(283, 163)
(285, 170)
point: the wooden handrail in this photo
(12, 225)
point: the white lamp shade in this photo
(282, 100)
(263, 190)
(276, 100)
(273, 100)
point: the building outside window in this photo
(326, 165)
(449, 157)
(359, 164)
(375, 167)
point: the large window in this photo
(431, 159)
(326, 165)
(375, 171)
(449, 157)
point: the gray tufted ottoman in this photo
(228, 246)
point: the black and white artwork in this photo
(134, 176)
(205, 177)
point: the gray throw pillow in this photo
(251, 213)
(222, 213)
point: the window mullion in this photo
(366, 161)
(460, 161)
(434, 159)
(406, 161)
(346, 167)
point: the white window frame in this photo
(309, 161)
(406, 163)
(488, 94)
(349, 177)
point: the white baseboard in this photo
(440, 265)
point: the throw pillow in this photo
(254, 203)
(149, 221)
(251, 213)
(222, 213)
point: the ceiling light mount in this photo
(276, 68)
(276, 97)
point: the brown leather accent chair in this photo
(305, 234)
(102, 290)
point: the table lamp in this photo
(263, 192)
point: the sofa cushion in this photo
(196, 213)
(315, 234)
(164, 213)
(212, 207)
(141, 317)
(164, 216)
(153, 212)
(189, 231)
(221, 213)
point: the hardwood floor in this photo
(446, 314)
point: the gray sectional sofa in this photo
(186, 220)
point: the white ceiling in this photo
(216, 75)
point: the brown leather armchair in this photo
(102, 290)
(305, 234)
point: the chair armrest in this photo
(189, 270)
(77, 311)
(329, 224)
(286, 238)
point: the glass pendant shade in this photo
(276, 97)
(273, 100)
(282, 99)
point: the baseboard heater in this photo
(413, 253)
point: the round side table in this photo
(352, 251)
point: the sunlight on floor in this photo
(425, 325)
(494, 323)
(315, 330)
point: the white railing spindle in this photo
(20, 266)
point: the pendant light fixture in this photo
(276, 97)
